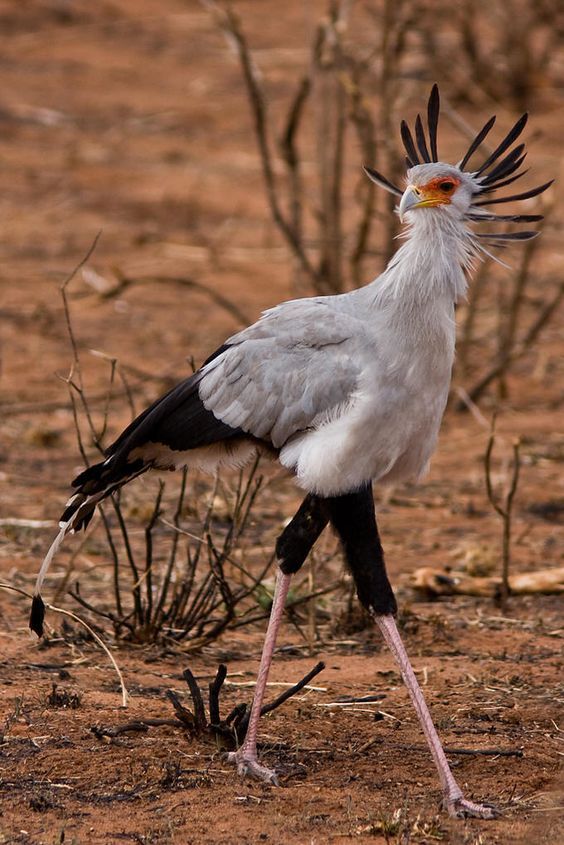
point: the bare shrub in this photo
(329, 112)
(178, 571)
(503, 506)
(500, 50)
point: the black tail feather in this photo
(37, 615)
(177, 421)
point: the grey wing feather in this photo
(286, 372)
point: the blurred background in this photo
(177, 167)
(133, 119)
(216, 152)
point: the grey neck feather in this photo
(431, 265)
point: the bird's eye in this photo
(446, 186)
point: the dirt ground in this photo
(130, 118)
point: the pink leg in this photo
(454, 800)
(246, 757)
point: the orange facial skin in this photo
(436, 192)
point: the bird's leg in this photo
(354, 520)
(292, 548)
(454, 801)
(246, 756)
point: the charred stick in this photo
(199, 711)
(132, 727)
(486, 752)
(215, 687)
(182, 713)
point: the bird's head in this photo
(454, 190)
(440, 186)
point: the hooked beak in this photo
(410, 199)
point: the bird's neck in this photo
(431, 265)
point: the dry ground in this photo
(130, 118)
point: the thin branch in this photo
(224, 302)
(503, 510)
(93, 634)
(519, 350)
(229, 23)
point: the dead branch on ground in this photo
(229, 731)
(443, 582)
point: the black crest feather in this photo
(534, 192)
(491, 188)
(382, 181)
(506, 166)
(407, 139)
(480, 137)
(500, 168)
(511, 136)
(420, 136)
(433, 109)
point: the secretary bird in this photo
(343, 391)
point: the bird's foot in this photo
(248, 766)
(461, 808)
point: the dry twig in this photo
(93, 634)
(440, 582)
(503, 510)
(230, 731)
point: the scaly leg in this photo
(354, 519)
(454, 801)
(246, 757)
(292, 548)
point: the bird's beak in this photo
(410, 199)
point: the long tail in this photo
(178, 421)
(95, 484)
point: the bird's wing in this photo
(286, 372)
(298, 364)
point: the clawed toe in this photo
(461, 808)
(249, 766)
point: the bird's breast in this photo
(388, 431)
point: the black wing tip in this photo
(37, 615)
